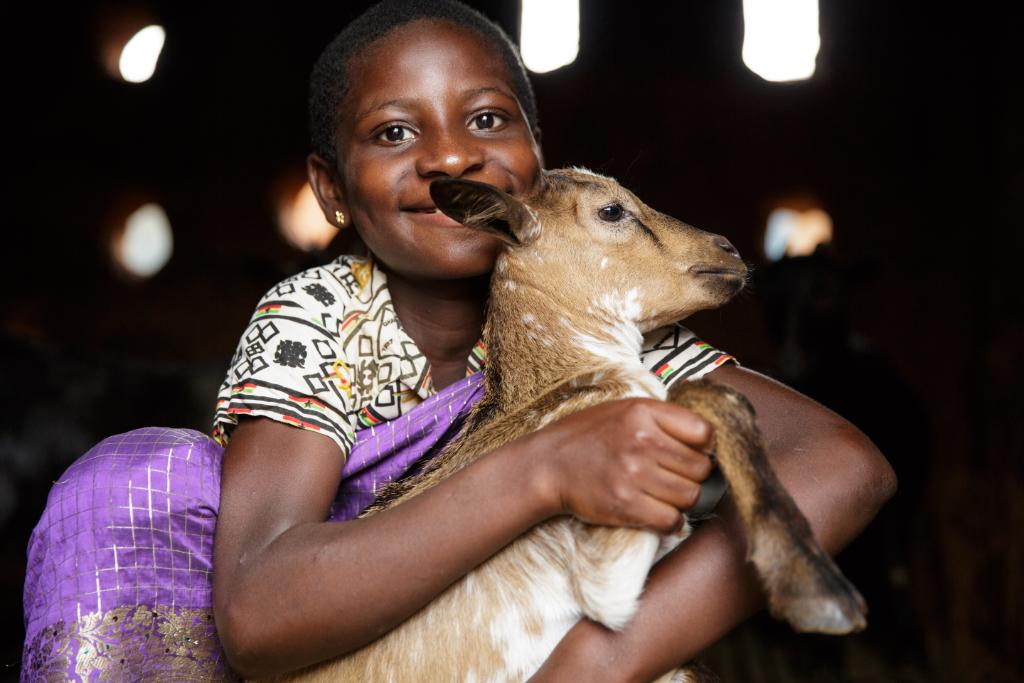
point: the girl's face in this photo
(429, 100)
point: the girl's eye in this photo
(611, 213)
(487, 121)
(396, 134)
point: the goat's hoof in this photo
(694, 672)
(840, 612)
(808, 590)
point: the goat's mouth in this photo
(726, 282)
(716, 271)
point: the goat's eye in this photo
(611, 213)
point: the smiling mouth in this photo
(430, 208)
(431, 215)
(425, 209)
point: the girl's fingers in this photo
(686, 462)
(672, 489)
(657, 515)
(679, 457)
(682, 424)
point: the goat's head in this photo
(599, 243)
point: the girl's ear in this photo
(484, 207)
(326, 186)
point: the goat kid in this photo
(588, 269)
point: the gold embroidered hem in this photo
(134, 643)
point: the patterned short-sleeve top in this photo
(325, 352)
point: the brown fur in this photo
(562, 333)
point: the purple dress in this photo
(118, 583)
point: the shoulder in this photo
(675, 353)
(332, 287)
(290, 364)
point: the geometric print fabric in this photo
(325, 352)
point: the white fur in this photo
(646, 385)
(534, 229)
(623, 340)
(587, 171)
(551, 602)
(670, 542)
(623, 306)
(612, 595)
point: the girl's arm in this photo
(705, 588)
(290, 590)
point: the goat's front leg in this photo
(803, 584)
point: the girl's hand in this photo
(631, 462)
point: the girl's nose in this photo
(451, 156)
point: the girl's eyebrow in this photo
(486, 89)
(407, 103)
(403, 103)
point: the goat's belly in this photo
(498, 624)
(502, 621)
(532, 615)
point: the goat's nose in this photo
(726, 246)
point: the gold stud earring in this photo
(340, 218)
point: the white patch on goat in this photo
(550, 604)
(604, 262)
(502, 264)
(621, 306)
(587, 171)
(534, 229)
(624, 340)
(646, 385)
(528, 318)
(669, 542)
(510, 285)
(546, 420)
(612, 595)
(595, 378)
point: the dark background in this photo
(911, 325)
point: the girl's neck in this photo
(444, 319)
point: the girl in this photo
(342, 366)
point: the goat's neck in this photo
(538, 337)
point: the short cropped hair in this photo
(330, 80)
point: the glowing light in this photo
(549, 33)
(780, 38)
(146, 244)
(796, 233)
(302, 223)
(140, 54)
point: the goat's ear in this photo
(484, 207)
